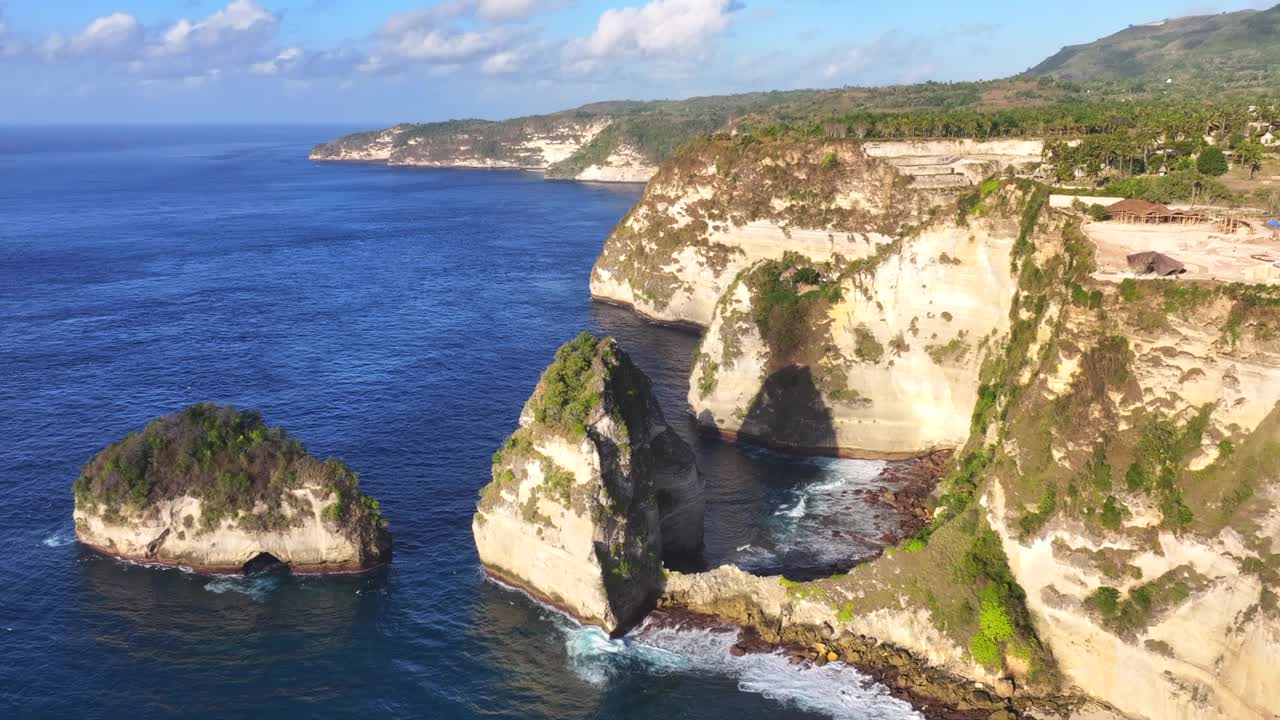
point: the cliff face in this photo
(878, 357)
(724, 203)
(1137, 495)
(567, 146)
(591, 492)
(217, 490)
(1111, 525)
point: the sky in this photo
(385, 61)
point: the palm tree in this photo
(1250, 153)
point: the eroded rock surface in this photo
(217, 490)
(591, 492)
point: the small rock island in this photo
(215, 489)
(592, 492)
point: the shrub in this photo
(569, 392)
(1033, 521)
(986, 651)
(781, 313)
(1098, 212)
(993, 618)
(845, 613)
(1107, 599)
(865, 346)
(1212, 161)
(806, 276)
(1129, 291)
(1135, 478)
(558, 482)
(232, 461)
(1112, 513)
(708, 380)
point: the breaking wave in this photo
(836, 689)
(257, 587)
(824, 522)
(61, 538)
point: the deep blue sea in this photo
(398, 319)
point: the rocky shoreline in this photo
(844, 453)
(238, 570)
(934, 693)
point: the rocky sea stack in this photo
(217, 490)
(591, 492)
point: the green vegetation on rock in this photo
(788, 296)
(240, 469)
(568, 394)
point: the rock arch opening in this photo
(262, 562)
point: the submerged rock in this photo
(591, 491)
(217, 490)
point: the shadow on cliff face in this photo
(789, 412)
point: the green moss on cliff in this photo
(789, 182)
(239, 468)
(789, 311)
(569, 390)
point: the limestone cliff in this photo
(567, 146)
(1111, 525)
(879, 356)
(724, 203)
(217, 490)
(591, 492)
(1136, 491)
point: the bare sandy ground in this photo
(1208, 254)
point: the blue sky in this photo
(383, 61)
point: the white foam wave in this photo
(61, 538)
(836, 689)
(257, 587)
(797, 510)
(823, 522)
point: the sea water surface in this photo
(398, 319)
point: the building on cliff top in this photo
(1141, 211)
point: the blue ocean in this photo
(396, 318)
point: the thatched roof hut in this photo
(1148, 263)
(1141, 211)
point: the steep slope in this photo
(215, 489)
(1112, 523)
(723, 203)
(592, 492)
(1224, 52)
(880, 356)
(1137, 495)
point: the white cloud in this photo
(241, 22)
(890, 58)
(501, 63)
(661, 27)
(111, 35)
(441, 45)
(285, 60)
(451, 34)
(510, 9)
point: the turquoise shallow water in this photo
(397, 319)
